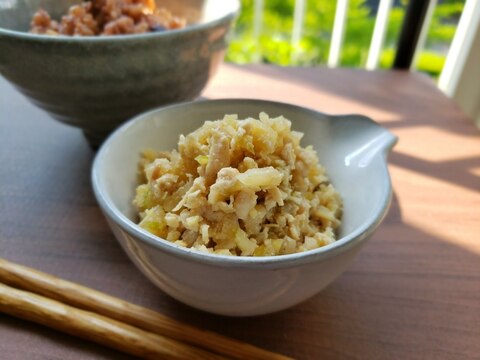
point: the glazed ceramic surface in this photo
(353, 149)
(96, 83)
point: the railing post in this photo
(411, 29)
(423, 33)
(257, 25)
(298, 18)
(379, 32)
(461, 45)
(338, 32)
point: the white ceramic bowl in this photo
(353, 149)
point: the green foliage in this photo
(358, 34)
(431, 62)
(444, 22)
(274, 44)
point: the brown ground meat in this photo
(107, 17)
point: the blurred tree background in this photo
(272, 41)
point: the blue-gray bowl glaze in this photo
(96, 83)
(353, 149)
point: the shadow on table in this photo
(412, 97)
(456, 171)
(407, 288)
(404, 288)
(27, 338)
(388, 90)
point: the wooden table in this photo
(412, 293)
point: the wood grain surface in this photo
(412, 293)
(97, 328)
(126, 318)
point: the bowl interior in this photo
(17, 14)
(352, 149)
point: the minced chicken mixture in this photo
(107, 17)
(239, 187)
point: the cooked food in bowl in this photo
(353, 148)
(239, 187)
(96, 83)
(107, 17)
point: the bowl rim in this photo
(272, 262)
(227, 17)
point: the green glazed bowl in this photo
(96, 83)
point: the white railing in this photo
(298, 18)
(423, 33)
(379, 33)
(258, 23)
(338, 33)
(462, 42)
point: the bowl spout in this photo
(368, 140)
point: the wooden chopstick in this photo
(91, 300)
(94, 327)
